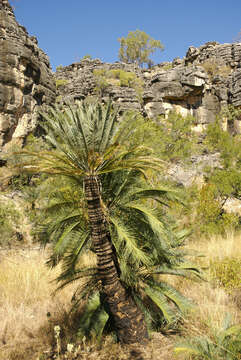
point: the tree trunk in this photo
(128, 319)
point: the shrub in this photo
(167, 66)
(61, 82)
(213, 69)
(228, 145)
(225, 343)
(211, 218)
(227, 273)
(209, 210)
(59, 67)
(9, 220)
(178, 142)
(172, 138)
(86, 57)
(227, 182)
(117, 77)
(101, 81)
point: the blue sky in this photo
(68, 30)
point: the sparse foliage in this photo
(86, 57)
(137, 48)
(117, 77)
(61, 82)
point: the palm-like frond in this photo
(224, 344)
(126, 244)
(94, 318)
(161, 302)
(89, 141)
(84, 142)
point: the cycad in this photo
(129, 239)
(144, 247)
(224, 344)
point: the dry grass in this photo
(25, 297)
(212, 301)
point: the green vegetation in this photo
(227, 273)
(213, 69)
(138, 244)
(149, 247)
(171, 138)
(9, 221)
(101, 81)
(221, 183)
(210, 216)
(86, 57)
(137, 48)
(167, 66)
(178, 142)
(224, 344)
(225, 142)
(61, 82)
(117, 77)
(59, 67)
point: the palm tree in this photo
(87, 145)
(91, 147)
(144, 247)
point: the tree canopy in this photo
(137, 48)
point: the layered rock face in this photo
(207, 79)
(26, 79)
(80, 82)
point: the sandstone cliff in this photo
(207, 79)
(26, 79)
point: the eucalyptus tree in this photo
(137, 48)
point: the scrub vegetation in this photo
(94, 192)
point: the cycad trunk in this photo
(128, 319)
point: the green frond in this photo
(183, 269)
(92, 305)
(232, 330)
(90, 284)
(150, 316)
(161, 301)
(187, 348)
(93, 320)
(126, 244)
(59, 246)
(108, 127)
(74, 251)
(156, 225)
(162, 195)
(175, 296)
(100, 318)
(225, 343)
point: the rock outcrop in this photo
(80, 82)
(26, 79)
(207, 79)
